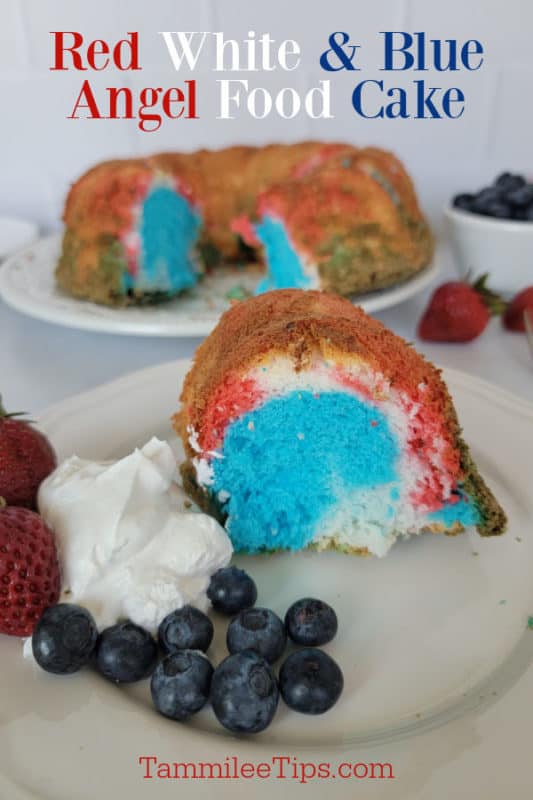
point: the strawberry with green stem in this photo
(26, 459)
(459, 311)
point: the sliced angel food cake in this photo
(306, 423)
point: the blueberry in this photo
(488, 195)
(485, 199)
(231, 589)
(463, 201)
(64, 638)
(311, 622)
(310, 681)
(244, 693)
(524, 213)
(520, 198)
(125, 653)
(181, 683)
(257, 629)
(188, 628)
(508, 182)
(496, 208)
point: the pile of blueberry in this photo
(243, 689)
(509, 197)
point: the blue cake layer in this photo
(168, 230)
(286, 463)
(283, 262)
(462, 511)
(289, 462)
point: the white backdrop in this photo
(41, 151)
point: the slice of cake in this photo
(306, 423)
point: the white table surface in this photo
(41, 364)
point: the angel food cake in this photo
(345, 221)
(307, 423)
(319, 216)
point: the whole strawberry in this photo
(458, 312)
(26, 459)
(513, 319)
(29, 570)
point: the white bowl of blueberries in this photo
(492, 231)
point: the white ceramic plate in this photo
(433, 642)
(27, 283)
(15, 234)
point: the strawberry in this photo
(459, 311)
(29, 570)
(26, 459)
(513, 319)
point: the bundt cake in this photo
(319, 216)
(306, 423)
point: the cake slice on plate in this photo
(306, 423)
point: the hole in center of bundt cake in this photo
(167, 232)
(289, 462)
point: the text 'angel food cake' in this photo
(319, 216)
(306, 423)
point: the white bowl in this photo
(501, 247)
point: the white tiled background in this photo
(41, 151)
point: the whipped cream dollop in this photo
(127, 545)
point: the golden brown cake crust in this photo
(298, 324)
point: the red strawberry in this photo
(26, 459)
(458, 312)
(29, 570)
(513, 319)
